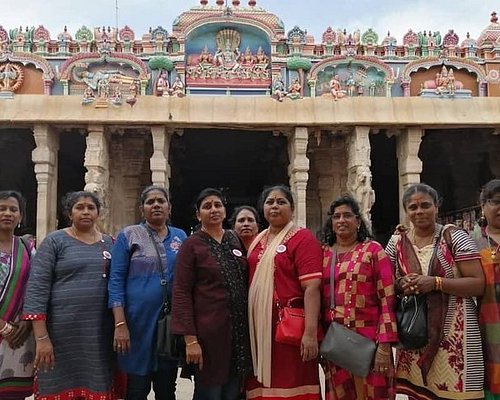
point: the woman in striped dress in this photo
(443, 263)
(66, 299)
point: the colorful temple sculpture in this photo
(228, 97)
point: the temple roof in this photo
(492, 32)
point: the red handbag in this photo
(291, 324)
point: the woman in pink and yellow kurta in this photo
(285, 263)
(364, 300)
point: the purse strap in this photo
(161, 270)
(332, 274)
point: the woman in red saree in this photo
(364, 300)
(16, 341)
(443, 263)
(488, 242)
(285, 263)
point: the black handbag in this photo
(411, 314)
(343, 346)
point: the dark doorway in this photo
(240, 163)
(71, 173)
(16, 146)
(385, 211)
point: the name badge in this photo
(237, 253)
(281, 248)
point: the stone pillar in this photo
(359, 175)
(160, 167)
(298, 171)
(97, 175)
(45, 159)
(409, 165)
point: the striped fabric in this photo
(490, 314)
(457, 369)
(16, 366)
(67, 286)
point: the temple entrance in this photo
(240, 163)
(385, 211)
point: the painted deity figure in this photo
(8, 77)
(295, 90)
(228, 57)
(442, 81)
(162, 86)
(117, 97)
(88, 95)
(451, 82)
(103, 89)
(205, 56)
(279, 92)
(177, 87)
(247, 58)
(261, 56)
(351, 85)
(335, 88)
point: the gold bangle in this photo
(120, 324)
(191, 343)
(438, 285)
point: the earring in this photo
(482, 220)
(19, 225)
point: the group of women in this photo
(227, 296)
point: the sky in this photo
(396, 16)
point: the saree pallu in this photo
(16, 367)
(489, 317)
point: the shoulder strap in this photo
(26, 245)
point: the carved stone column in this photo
(160, 167)
(409, 165)
(298, 171)
(45, 158)
(359, 175)
(97, 175)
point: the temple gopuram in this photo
(228, 97)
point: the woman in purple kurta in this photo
(209, 303)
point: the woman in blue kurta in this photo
(137, 285)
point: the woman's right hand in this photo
(44, 357)
(121, 341)
(194, 354)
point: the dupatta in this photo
(260, 306)
(13, 288)
(437, 302)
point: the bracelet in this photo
(40, 338)
(120, 324)
(438, 285)
(7, 330)
(191, 343)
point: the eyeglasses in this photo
(493, 202)
(346, 215)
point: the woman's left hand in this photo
(22, 330)
(309, 347)
(418, 284)
(383, 359)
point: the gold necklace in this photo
(426, 241)
(493, 251)
(340, 260)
